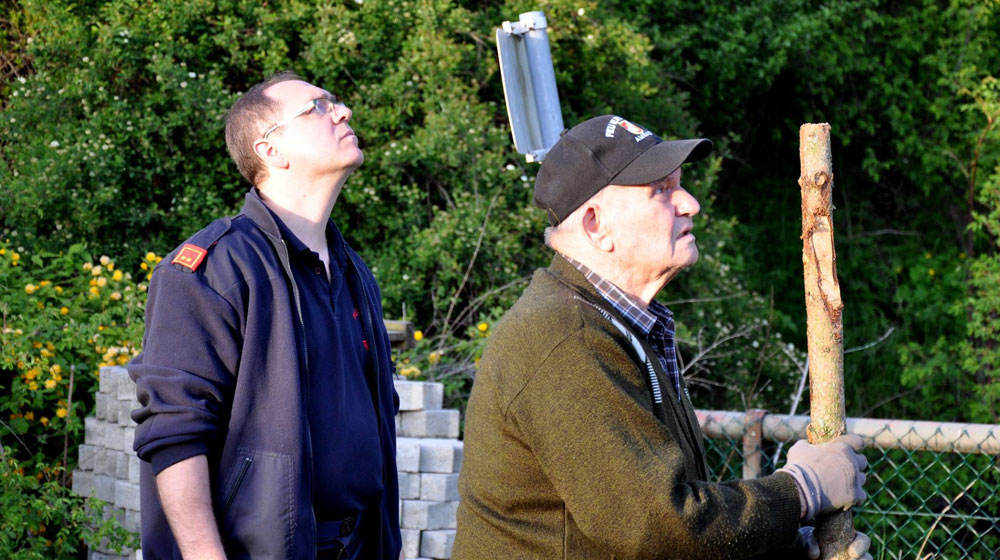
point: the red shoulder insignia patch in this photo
(190, 256)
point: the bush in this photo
(44, 519)
(66, 315)
(63, 316)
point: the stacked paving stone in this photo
(108, 468)
(428, 457)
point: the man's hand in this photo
(857, 549)
(829, 476)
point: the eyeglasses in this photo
(322, 105)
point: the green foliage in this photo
(904, 145)
(42, 519)
(63, 316)
(980, 352)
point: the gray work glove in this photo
(829, 475)
(857, 549)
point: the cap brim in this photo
(662, 160)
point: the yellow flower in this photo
(44, 420)
(111, 267)
(3, 252)
(44, 283)
(158, 259)
(87, 266)
(150, 256)
(46, 353)
(100, 327)
(31, 373)
(94, 290)
(41, 305)
(61, 412)
(123, 359)
(96, 271)
(57, 377)
(142, 287)
(50, 383)
(56, 369)
(105, 260)
(102, 281)
(93, 281)
(117, 276)
(116, 296)
(482, 327)
(15, 257)
(50, 346)
(64, 311)
(33, 386)
(29, 415)
(410, 371)
(30, 288)
(58, 289)
(434, 358)
(418, 336)
(143, 266)
(36, 345)
(931, 272)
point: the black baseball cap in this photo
(602, 151)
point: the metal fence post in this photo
(753, 431)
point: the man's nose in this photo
(685, 203)
(341, 113)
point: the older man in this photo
(581, 440)
(266, 423)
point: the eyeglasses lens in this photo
(323, 106)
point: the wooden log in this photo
(824, 324)
(400, 333)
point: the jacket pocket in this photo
(257, 506)
(241, 474)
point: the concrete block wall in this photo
(428, 458)
(108, 469)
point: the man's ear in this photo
(269, 154)
(595, 228)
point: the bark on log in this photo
(824, 324)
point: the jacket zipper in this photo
(305, 366)
(684, 423)
(376, 355)
(247, 461)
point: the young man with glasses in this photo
(266, 422)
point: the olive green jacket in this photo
(568, 456)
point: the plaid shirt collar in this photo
(643, 319)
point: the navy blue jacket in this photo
(221, 374)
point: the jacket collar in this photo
(572, 277)
(255, 209)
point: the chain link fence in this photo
(933, 487)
